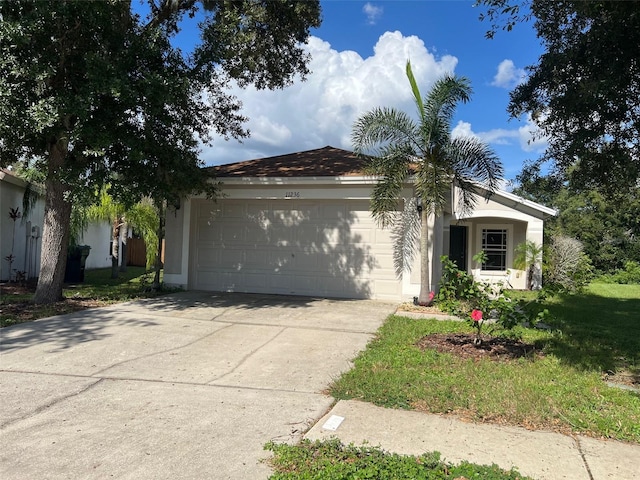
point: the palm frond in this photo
(433, 185)
(405, 234)
(473, 162)
(472, 159)
(416, 92)
(440, 105)
(380, 127)
(393, 169)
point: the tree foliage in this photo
(424, 150)
(93, 92)
(606, 223)
(584, 92)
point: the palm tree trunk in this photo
(115, 247)
(55, 229)
(158, 263)
(425, 264)
(124, 250)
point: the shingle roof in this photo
(322, 162)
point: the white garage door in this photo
(293, 247)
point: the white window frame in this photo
(509, 246)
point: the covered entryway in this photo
(329, 248)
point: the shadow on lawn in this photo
(597, 333)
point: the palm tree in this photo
(425, 152)
(528, 255)
(141, 215)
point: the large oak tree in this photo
(93, 92)
(584, 92)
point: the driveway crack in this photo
(247, 356)
(583, 456)
(160, 352)
(55, 401)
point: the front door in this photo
(458, 246)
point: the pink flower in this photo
(476, 315)
(431, 295)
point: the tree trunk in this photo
(158, 263)
(425, 264)
(55, 229)
(124, 253)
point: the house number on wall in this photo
(291, 194)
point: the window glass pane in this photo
(494, 244)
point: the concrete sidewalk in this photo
(537, 454)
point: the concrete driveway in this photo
(187, 386)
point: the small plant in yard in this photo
(14, 215)
(477, 321)
(528, 257)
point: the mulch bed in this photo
(462, 345)
(24, 311)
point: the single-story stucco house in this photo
(300, 224)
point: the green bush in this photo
(630, 274)
(460, 295)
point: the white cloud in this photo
(508, 76)
(372, 12)
(527, 137)
(321, 111)
(463, 129)
(531, 139)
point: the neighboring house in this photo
(300, 224)
(27, 238)
(22, 236)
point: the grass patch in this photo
(565, 389)
(333, 460)
(97, 290)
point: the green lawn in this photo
(565, 389)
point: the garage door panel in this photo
(233, 209)
(279, 283)
(209, 233)
(329, 248)
(232, 233)
(385, 265)
(308, 262)
(227, 259)
(256, 282)
(207, 257)
(362, 236)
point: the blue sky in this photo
(358, 59)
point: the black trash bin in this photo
(76, 258)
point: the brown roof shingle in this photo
(322, 162)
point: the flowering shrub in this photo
(462, 296)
